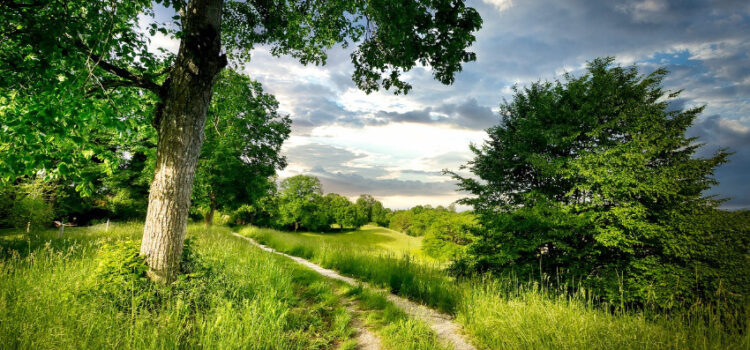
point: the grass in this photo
(511, 314)
(256, 301)
(370, 237)
(395, 328)
(417, 279)
(51, 298)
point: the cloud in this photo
(352, 184)
(342, 171)
(500, 5)
(465, 115)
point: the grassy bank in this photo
(508, 314)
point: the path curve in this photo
(443, 325)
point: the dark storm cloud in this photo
(466, 115)
(716, 132)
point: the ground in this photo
(53, 296)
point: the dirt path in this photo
(447, 330)
(366, 339)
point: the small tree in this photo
(32, 205)
(593, 178)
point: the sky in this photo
(394, 147)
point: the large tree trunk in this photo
(179, 121)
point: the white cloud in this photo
(500, 5)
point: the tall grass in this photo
(255, 301)
(421, 280)
(504, 313)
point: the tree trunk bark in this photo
(179, 120)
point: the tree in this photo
(364, 205)
(242, 149)
(341, 211)
(301, 204)
(93, 69)
(380, 215)
(448, 235)
(593, 178)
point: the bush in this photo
(449, 234)
(121, 278)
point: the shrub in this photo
(121, 278)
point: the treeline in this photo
(299, 204)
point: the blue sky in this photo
(394, 147)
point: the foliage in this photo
(448, 235)
(51, 120)
(592, 178)
(300, 203)
(244, 134)
(417, 220)
(342, 212)
(121, 274)
(31, 210)
(30, 203)
(370, 210)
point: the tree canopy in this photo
(593, 177)
(242, 149)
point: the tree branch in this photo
(131, 79)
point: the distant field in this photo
(367, 238)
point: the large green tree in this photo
(301, 203)
(342, 211)
(242, 149)
(593, 178)
(92, 69)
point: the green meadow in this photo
(505, 313)
(53, 296)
